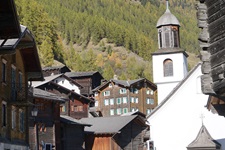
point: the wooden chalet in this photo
(89, 80)
(76, 105)
(44, 129)
(115, 133)
(210, 16)
(19, 64)
(116, 97)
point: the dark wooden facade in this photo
(210, 15)
(75, 105)
(45, 127)
(141, 96)
(19, 64)
(88, 80)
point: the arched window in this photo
(168, 67)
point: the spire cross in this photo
(202, 117)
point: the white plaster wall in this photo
(164, 89)
(179, 67)
(176, 124)
(67, 84)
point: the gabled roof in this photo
(174, 90)
(9, 26)
(53, 77)
(39, 84)
(82, 74)
(70, 120)
(107, 125)
(38, 93)
(126, 83)
(204, 140)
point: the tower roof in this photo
(167, 18)
(204, 140)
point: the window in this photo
(148, 111)
(132, 99)
(106, 93)
(96, 93)
(110, 85)
(124, 100)
(48, 146)
(13, 84)
(4, 70)
(135, 91)
(149, 92)
(21, 117)
(125, 110)
(111, 101)
(62, 108)
(13, 117)
(106, 102)
(4, 114)
(136, 100)
(168, 67)
(111, 112)
(118, 111)
(123, 91)
(160, 39)
(20, 80)
(41, 127)
(150, 101)
(78, 108)
(175, 37)
(118, 100)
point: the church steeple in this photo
(168, 30)
(169, 61)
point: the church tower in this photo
(169, 61)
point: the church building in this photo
(181, 112)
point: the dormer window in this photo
(168, 67)
(110, 85)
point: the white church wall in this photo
(176, 123)
(178, 68)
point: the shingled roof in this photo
(203, 141)
(107, 125)
(38, 93)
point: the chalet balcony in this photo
(18, 94)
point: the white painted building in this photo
(170, 61)
(176, 121)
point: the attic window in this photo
(168, 67)
(110, 85)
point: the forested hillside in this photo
(93, 34)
